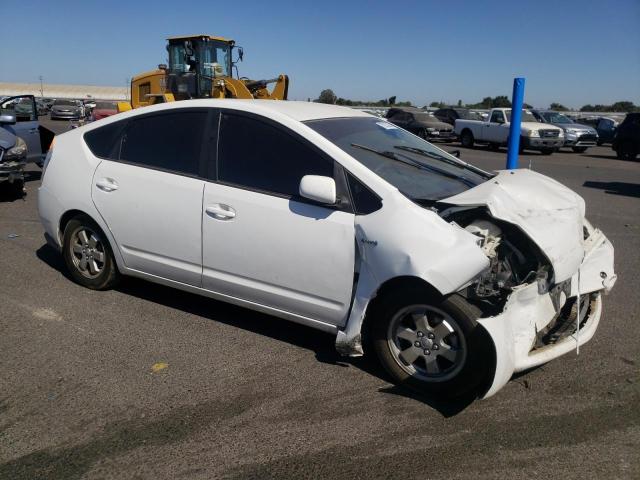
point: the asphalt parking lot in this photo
(149, 382)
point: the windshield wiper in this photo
(435, 156)
(414, 163)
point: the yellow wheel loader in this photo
(200, 66)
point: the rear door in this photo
(26, 126)
(150, 196)
(262, 242)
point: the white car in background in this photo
(338, 220)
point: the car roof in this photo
(300, 111)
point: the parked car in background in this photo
(41, 107)
(26, 126)
(577, 136)
(103, 110)
(626, 142)
(494, 131)
(451, 114)
(67, 110)
(25, 108)
(420, 123)
(604, 126)
(456, 276)
(13, 157)
(47, 101)
(89, 105)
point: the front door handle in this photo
(107, 184)
(221, 211)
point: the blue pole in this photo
(517, 99)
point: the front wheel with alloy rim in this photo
(88, 255)
(432, 345)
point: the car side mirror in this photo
(455, 153)
(7, 118)
(318, 188)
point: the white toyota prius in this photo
(338, 220)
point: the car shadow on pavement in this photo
(616, 188)
(606, 157)
(322, 344)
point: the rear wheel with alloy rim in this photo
(432, 345)
(88, 255)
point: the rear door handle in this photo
(221, 211)
(107, 184)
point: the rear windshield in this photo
(65, 102)
(420, 170)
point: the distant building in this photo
(52, 90)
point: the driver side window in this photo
(255, 155)
(497, 117)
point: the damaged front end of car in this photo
(541, 294)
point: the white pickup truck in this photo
(494, 131)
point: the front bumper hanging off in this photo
(534, 328)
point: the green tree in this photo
(326, 96)
(437, 105)
(459, 103)
(558, 107)
(624, 106)
(501, 101)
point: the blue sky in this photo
(573, 52)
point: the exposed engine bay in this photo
(514, 258)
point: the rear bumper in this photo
(517, 332)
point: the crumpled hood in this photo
(547, 211)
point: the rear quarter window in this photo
(104, 142)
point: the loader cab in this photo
(195, 63)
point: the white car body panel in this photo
(290, 255)
(155, 217)
(297, 261)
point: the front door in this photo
(26, 126)
(151, 195)
(261, 241)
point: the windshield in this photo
(418, 169)
(555, 117)
(65, 102)
(424, 117)
(527, 116)
(468, 115)
(105, 106)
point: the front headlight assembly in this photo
(18, 151)
(534, 133)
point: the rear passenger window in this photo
(104, 142)
(364, 200)
(168, 141)
(256, 155)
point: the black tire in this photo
(626, 151)
(494, 147)
(579, 149)
(464, 376)
(106, 273)
(599, 143)
(422, 133)
(547, 151)
(466, 139)
(17, 188)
